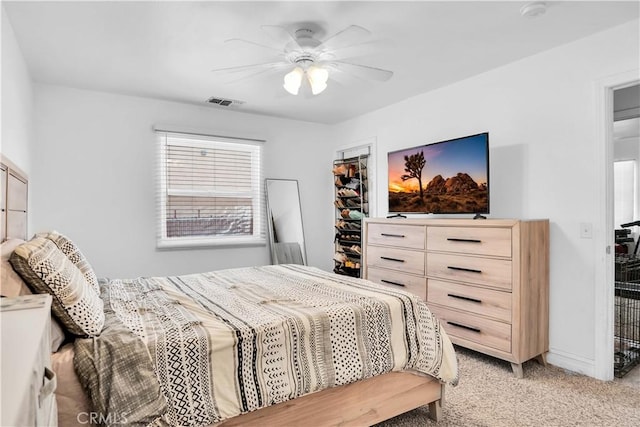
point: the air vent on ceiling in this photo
(224, 102)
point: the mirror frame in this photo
(303, 246)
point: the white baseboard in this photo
(572, 362)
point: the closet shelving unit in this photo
(351, 206)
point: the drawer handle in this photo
(392, 235)
(49, 386)
(455, 239)
(470, 270)
(392, 283)
(391, 259)
(464, 298)
(458, 325)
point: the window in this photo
(210, 191)
(624, 179)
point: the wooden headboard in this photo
(13, 201)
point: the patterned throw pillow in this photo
(45, 269)
(73, 253)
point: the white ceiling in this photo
(167, 50)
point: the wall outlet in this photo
(586, 230)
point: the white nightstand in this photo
(27, 381)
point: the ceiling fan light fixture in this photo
(293, 80)
(317, 79)
(307, 58)
(533, 9)
(317, 88)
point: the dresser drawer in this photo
(470, 240)
(414, 284)
(406, 236)
(487, 302)
(490, 333)
(482, 271)
(396, 259)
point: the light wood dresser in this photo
(487, 280)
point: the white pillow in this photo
(46, 269)
(74, 254)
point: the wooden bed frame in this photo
(361, 403)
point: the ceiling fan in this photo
(310, 59)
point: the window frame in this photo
(256, 194)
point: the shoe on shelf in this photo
(339, 204)
(347, 192)
(354, 183)
(341, 180)
(340, 170)
(354, 215)
(340, 257)
(346, 213)
(352, 226)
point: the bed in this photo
(266, 345)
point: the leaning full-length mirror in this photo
(284, 220)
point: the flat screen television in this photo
(447, 177)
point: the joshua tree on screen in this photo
(413, 166)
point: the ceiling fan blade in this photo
(256, 72)
(362, 71)
(280, 35)
(364, 49)
(252, 67)
(249, 42)
(244, 72)
(352, 35)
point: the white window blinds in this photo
(210, 191)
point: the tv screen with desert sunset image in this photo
(445, 177)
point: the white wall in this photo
(17, 101)
(540, 113)
(93, 174)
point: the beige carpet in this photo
(489, 395)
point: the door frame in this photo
(604, 244)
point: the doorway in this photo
(626, 213)
(604, 298)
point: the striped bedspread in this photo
(196, 349)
